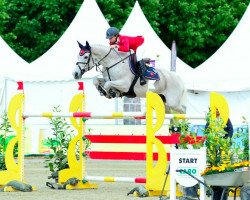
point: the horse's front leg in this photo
(99, 84)
(116, 88)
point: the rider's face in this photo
(112, 40)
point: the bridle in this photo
(97, 64)
(84, 69)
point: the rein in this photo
(98, 63)
(108, 68)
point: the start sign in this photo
(187, 161)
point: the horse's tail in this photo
(182, 106)
(183, 101)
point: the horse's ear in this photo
(88, 46)
(80, 45)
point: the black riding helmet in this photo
(111, 32)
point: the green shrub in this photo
(5, 137)
(59, 143)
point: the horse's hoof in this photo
(102, 91)
(112, 93)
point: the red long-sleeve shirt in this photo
(126, 42)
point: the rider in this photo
(125, 43)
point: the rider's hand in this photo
(112, 46)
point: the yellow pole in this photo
(14, 170)
(77, 166)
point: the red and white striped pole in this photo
(115, 179)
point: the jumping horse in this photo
(118, 80)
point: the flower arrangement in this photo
(221, 150)
(187, 137)
(226, 168)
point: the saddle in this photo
(150, 72)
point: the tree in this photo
(3, 15)
(35, 25)
(199, 27)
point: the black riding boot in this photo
(142, 68)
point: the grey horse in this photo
(117, 79)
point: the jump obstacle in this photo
(155, 174)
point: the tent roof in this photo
(10, 62)
(137, 24)
(227, 69)
(59, 61)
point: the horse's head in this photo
(83, 62)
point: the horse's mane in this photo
(106, 47)
(101, 45)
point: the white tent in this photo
(10, 62)
(228, 68)
(137, 24)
